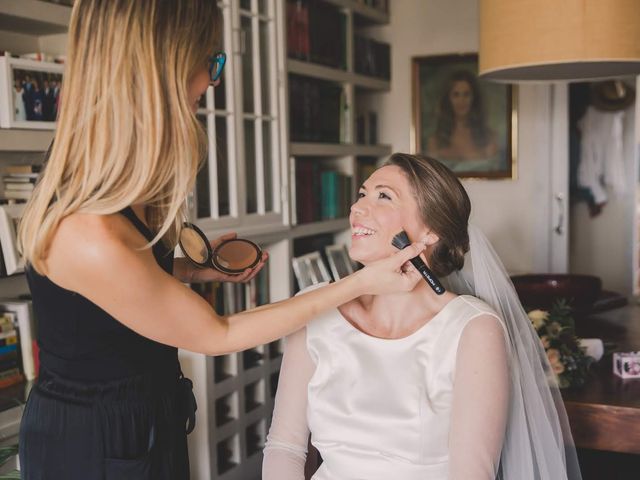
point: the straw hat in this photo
(612, 95)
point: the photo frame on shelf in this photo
(29, 93)
(339, 261)
(9, 217)
(467, 123)
(309, 270)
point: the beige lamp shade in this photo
(541, 40)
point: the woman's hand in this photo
(188, 272)
(392, 274)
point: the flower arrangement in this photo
(556, 330)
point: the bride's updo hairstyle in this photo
(444, 207)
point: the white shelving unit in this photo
(34, 17)
(25, 140)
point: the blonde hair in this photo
(126, 133)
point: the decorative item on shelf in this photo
(29, 93)
(339, 261)
(626, 364)
(556, 330)
(468, 124)
(9, 218)
(551, 40)
(309, 270)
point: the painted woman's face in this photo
(461, 98)
(385, 206)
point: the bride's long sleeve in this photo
(285, 452)
(480, 401)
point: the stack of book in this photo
(19, 357)
(316, 32)
(321, 195)
(10, 371)
(372, 58)
(19, 181)
(315, 110)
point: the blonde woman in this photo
(98, 236)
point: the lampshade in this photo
(559, 39)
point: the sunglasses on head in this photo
(216, 65)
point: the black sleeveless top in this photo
(80, 341)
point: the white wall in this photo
(515, 215)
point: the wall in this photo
(515, 215)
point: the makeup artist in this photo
(98, 237)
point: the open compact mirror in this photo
(231, 256)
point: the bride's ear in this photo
(429, 238)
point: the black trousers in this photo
(129, 429)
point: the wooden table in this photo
(605, 413)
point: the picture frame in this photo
(310, 269)
(339, 261)
(467, 123)
(29, 93)
(9, 217)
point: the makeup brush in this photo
(401, 241)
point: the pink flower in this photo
(554, 360)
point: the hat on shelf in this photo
(612, 95)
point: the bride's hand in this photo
(392, 274)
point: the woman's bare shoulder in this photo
(83, 240)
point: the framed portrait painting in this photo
(467, 123)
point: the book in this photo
(22, 169)
(17, 194)
(25, 324)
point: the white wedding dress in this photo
(432, 405)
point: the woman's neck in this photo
(399, 314)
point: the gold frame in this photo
(511, 118)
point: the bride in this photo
(418, 385)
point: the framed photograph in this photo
(467, 123)
(29, 93)
(9, 218)
(339, 261)
(309, 269)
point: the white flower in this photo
(538, 317)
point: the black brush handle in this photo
(401, 241)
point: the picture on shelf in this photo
(339, 261)
(463, 121)
(9, 218)
(309, 270)
(29, 93)
(36, 95)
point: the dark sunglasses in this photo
(216, 65)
